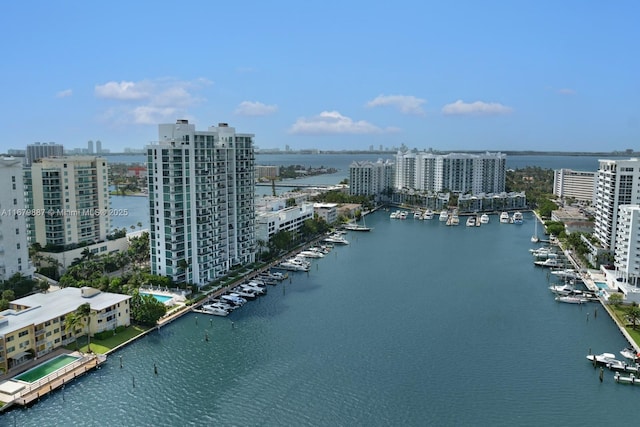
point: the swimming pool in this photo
(46, 368)
(162, 298)
(602, 285)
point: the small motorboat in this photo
(631, 354)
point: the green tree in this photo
(8, 294)
(146, 309)
(633, 314)
(291, 201)
(615, 299)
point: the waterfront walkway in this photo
(588, 279)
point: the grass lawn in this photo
(103, 346)
(620, 313)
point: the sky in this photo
(332, 75)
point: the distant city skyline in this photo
(497, 75)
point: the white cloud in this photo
(405, 103)
(122, 90)
(249, 108)
(64, 93)
(149, 101)
(566, 91)
(477, 108)
(332, 122)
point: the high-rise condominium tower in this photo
(201, 201)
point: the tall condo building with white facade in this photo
(579, 185)
(14, 249)
(618, 184)
(69, 196)
(368, 178)
(627, 249)
(454, 172)
(201, 201)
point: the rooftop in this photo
(43, 307)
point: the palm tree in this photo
(73, 323)
(84, 312)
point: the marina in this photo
(305, 354)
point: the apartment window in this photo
(15, 201)
(14, 186)
(23, 333)
(11, 349)
(17, 245)
(13, 178)
(17, 231)
(10, 338)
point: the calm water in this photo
(412, 324)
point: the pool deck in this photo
(26, 393)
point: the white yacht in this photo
(568, 273)
(215, 310)
(444, 215)
(471, 221)
(504, 218)
(428, 214)
(236, 300)
(549, 262)
(571, 299)
(484, 219)
(517, 217)
(312, 254)
(566, 289)
(252, 287)
(336, 239)
(294, 264)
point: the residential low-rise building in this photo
(326, 211)
(268, 223)
(35, 325)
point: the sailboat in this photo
(534, 238)
(352, 226)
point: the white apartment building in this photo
(579, 185)
(14, 248)
(201, 201)
(268, 223)
(69, 199)
(454, 172)
(618, 183)
(368, 178)
(627, 246)
(326, 211)
(34, 325)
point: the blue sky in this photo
(448, 75)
